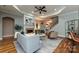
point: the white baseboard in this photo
(61, 35)
(0, 38)
(8, 36)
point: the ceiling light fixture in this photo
(40, 9)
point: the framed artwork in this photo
(28, 21)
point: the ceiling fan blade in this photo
(43, 7)
(36, 7)
(44, 10)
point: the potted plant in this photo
(18, 28)
(22, 32)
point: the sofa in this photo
(29, 42)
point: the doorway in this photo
(8, 27)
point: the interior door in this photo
(8, 27)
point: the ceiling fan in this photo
(40, 9)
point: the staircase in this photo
(53, 23)
(46, 24)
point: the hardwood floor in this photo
(7, 45)
(66, 46)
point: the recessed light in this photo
(32, 11)
(55, 9)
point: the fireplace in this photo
(29, 30)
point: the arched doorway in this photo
(8, 27)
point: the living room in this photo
(37, 28)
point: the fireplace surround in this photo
(29, 30)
